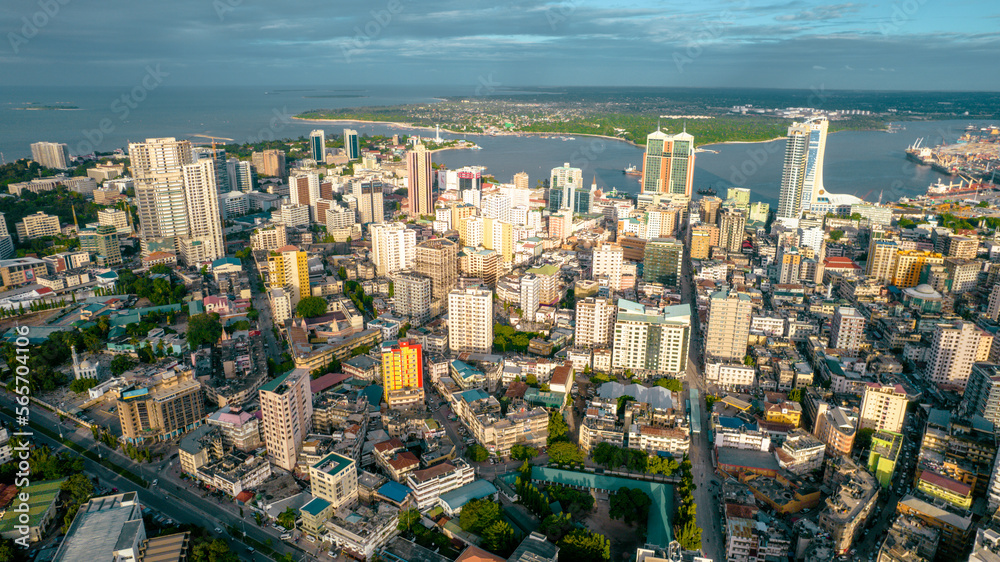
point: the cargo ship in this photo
(631, 170)
(706, 191)
(963, 188)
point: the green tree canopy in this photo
(558, 429)
(204, 329)
(477, 453)
(478, 515)
(287, 518)
(630, 505)
(311, 307)
(499, 538)
(580, 545)
(564, 452)
(672, 385)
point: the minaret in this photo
(75, 223)
(76, 362)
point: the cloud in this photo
(818, 67)
(822, 13)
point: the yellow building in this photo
(499, 236)
(289, 270)
(954, 492)
(402, 372)
(909, 263)
(789, 413)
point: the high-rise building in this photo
(739, 196)
(286, 408)
(113, 217)
(732, 229)
(953, 351)
(565, 180)
(883, 407)
(848, 330)
(708, 209)
(163, 409)
(270, 238)
(412, 296)
(993, 308)
(36, 226)
(650, 342)
(470, 320)
(204, 240)
(662, 263)
(531, 287)
(438, 259)
(881, 259)
(521, 180)
(220, 166)
(402, 372)
(157, 166)
(292, 216)
(103, 243)
(982, 393)
(368, 193)
(802, 175)
(317, 146)
(607, 261)
(51, 154)
(595, 322)
(499, 236)
(728, 326)
(6, 242)
(393, 247)
(909, 264)
(270, 162)
(352, 145)
(288, 269)
(303, 189)
(668, 164)
(418, 173)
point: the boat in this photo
(631, 170)
(964, 187)
(706, 191)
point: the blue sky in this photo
(903, 44)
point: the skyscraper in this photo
(728, 326)
(289, 270)
(595, 322)
(847, 330)
(418, 173)
(368, 192)
(6, 242)
(650, 342)
(393, 247)
(662, 261)
(563, 183)
(438, 259)
(317, 145)
(204, 240)
(953, 351)
(103, 243)
(402, 372)
(412, 296)
(668, 164)
(51, 154)
(303, 189)
(883, 407)
(732, 229)
(157, 166)
(470, 320)
(286, 408)
(270, 162)
(608, 260)
(802, 175)
(352, 147)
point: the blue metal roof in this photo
(394, 491)
(471, 491)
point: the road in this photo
(708, 517)
(176, 502)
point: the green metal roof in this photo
(273, 384)
(41, 496)
(544, 270)
(333, 463)
(315, 506)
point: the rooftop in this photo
(471, 491)
(100, 526)
(333, 464)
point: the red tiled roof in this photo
(945, 482)
(476, 554)
(326, 381)
(288, 248)
(390, 445)
(403, 460)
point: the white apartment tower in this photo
(595, 322)
(607, 261)
(883, 408)
(157, 166)
(470, 320)
(847, 330)
(204, 241)
(953, 351)
(651, 342)
(393, 247)
(728, 326)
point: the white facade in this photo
(470, 320)
(651, 342)
(595, 320)
(428, 484)
(848, 329)
(292, 215)
(952, 353)
(608, 260)
(393, 247)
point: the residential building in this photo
(564, 182)
(847, 330)
(982, 393)
(530, 289)
(368, 193)
(103, 243)
(362, 531)
(883, 407)
(286, 407)
(51, 155)
(421, 184)
(157, 166)
(203, 242)
(37, 225)
(650, 342)
(835, 427)
(668, 164)
(846, 512)
(802, 173)
(662, 263)
(882, 259)
(728, 326)
(480, 412)
(954, 525)
(393, 247)
(438, 259)
(303, 189)
(430, 483)
(402, 373)
(269, 238)
(732, 229)
(595, 322)
(333, 482)
(909, 264)
(270, 162)
(952, 353)
(470, 320)
(288, 269)
(162, 407)
(801, 453)
(412, 296)
(884, 454)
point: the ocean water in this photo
(864, 163)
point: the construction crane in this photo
(213, 141)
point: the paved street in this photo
(176, 502)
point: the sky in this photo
(897, 45)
